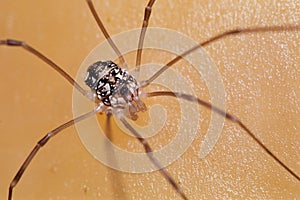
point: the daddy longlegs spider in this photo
(257, 148)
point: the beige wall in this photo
(261, 79)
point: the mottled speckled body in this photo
(115, 88)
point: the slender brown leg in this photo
(218, 37)
(105, 33)
(227, 116)
(11, 42)
(40, 144)
(149, 150)
(147, 14)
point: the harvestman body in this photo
(115, 91)
(114, 88)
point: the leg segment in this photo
(147, 14)
(11, 42)
(105, 33)
(218, 37)
(227, 116)
(149, 150)
(40, 144)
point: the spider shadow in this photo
(117, 184)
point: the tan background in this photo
(260, 74)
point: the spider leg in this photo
(216, 38)
(147, 14)
(149, 150)
(228, 116)
(40, 144)
(27, 47)
(106, 34)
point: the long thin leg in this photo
(40, 144)
(105, 33)
(218, 37)
(228, 116)
(11, 42)
(147, 14)
(149, 150)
